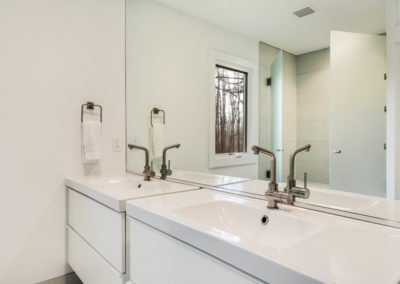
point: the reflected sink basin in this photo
(337, 200)
(232, 219)
(322, 197)
(205, 178)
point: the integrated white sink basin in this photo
(114, 189)
(296, 246)
(233, 219)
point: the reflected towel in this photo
(91, 141)
(158, 134)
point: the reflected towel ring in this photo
(156, 111)
(91, 106)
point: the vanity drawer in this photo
(175, 261)
(100, 226)
(88, 264)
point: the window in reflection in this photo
(231, 106)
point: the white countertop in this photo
(296, 246)
(205, 178)
(334, 199)
(113, 190)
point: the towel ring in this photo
(156, 111)
(91, 106)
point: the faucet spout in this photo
(164, 155)
(293, 157)
(257, 150)
(148, 171)
(291, 178)
(166, 171)
(146, 152)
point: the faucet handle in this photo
(169, 172)
(305, 179)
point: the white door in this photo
(357, 117)
(393, 98)
(276, 113)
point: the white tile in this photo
(289, 63)
(313, 96)
(317, 172)
(319, 152)
(318, 80)
(313, 131)
(312, 111)
(267, 53)
(313, 61)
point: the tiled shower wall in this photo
(312, 89)
(313, 115)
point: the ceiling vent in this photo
(304, 12)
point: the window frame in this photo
(251, 121)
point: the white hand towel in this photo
(91, 141)
(158, 136)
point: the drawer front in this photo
(91, 267)
(174, 261)
(102, 227)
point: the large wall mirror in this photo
(217, 79)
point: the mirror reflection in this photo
(220, 81)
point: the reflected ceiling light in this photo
(304, 12)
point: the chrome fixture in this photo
(156, 111)
(148, 171)
(91, 106)
(164, 170)
(273, 195)
(294, 190)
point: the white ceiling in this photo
(273, 22)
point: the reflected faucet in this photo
(273, 195)
(295, 191)
(164, 170)
(148, 171)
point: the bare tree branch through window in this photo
(231, 110)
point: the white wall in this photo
(55, 55)
(168, 67)
(313, 87)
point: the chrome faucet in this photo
(291, 187)
(273, 195)
(164, 170)
(148, 171)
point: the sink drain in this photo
(264, 220)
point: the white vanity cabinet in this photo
(96, 221)
(155, 257)
(88, 264)
(96, 240)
